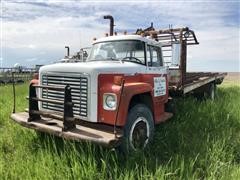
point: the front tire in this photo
(139, 129)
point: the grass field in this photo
(202, 141)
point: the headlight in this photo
(109, 101)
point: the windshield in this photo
(124, 50)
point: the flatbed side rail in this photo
(217, 78)
(35, 114)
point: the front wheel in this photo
(139, 129)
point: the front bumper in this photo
(91, 132)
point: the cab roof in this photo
(128, 37)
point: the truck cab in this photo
(133, 58)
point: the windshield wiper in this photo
(106, 59)
(113, 59)
(117, 59)
(102, 59)
(132, 59)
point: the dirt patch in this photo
(233, 77)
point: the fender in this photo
(130, 90)
(134, 85)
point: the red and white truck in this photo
(118, 95)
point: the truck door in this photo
(158, 71)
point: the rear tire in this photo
(208, 91)
(139, 129)
(211, 91)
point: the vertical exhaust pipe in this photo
(68, 50)
(111, 23)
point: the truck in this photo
(121, 92)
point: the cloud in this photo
(30, 28)
(31, 59)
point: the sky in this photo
(36, 32)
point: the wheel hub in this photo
(139, 134)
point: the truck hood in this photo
(95, 67)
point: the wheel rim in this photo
(139, 134)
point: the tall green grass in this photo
(202, 141)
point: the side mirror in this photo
(176, 54)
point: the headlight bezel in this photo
(106, 105)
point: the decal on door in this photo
(159, 86)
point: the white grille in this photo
(79, 91)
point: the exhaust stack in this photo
(111, 23)
(68, 50)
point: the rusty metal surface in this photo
(201, 80)
(183, 36)
(179, 79)
(85, 132)
(35, 114)
(168, 36)
(183, 61)
(194, 76)
(195, 80)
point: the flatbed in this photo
(195, 80)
